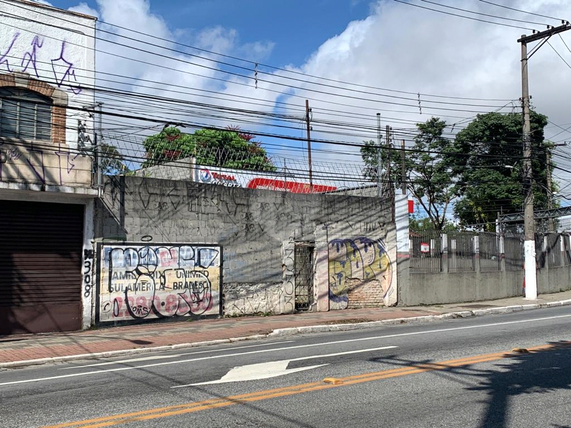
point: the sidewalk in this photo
(24, 350)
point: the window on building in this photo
(25, 114)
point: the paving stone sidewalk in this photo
(23, 350)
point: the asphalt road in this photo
(455, 373)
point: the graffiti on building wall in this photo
(289, 278)
(354, 264)
(87, 272)
(38, 166)
(62, 68)
(251, 299)
(144, 281)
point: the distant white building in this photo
(47, 76)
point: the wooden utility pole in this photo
(529, 225)
(379, 158)
(307, 121)
(388, 149)
(403, 169)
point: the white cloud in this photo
(257, 51)
(410, 49)
(217, 39)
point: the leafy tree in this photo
(423, 224)
(487, 157)
(168, 145)
(112, 161)
(431, 181)
(229, 148)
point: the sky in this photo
(408, 60)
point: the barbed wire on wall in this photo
(125, 154)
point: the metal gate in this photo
(303, 271)
(40, 267)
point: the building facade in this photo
(47, 77)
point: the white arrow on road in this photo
(274, 368)
(255, 372)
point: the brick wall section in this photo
(58, 124)
(7, 80)
(250, 225)
(41, 87)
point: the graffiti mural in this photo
(158, 281)
(360, 272)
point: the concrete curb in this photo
(281, 332)
(426, 318)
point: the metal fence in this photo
(486, 252)
(461, 252)
(555, 250)
(490, 255)
(426, 252)
(432, 252)
(513, 253)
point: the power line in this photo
(521, 11)
(462, 16)
(249, 77)
(481, 13)
(558, 54)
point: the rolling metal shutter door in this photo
(40, 267)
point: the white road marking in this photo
(274, 368)
(254, 372)
(388, 336)
(163, 357)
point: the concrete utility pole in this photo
(528, 221)
(307, 121)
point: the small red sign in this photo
(410, 206)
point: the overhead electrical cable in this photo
(521, 11)
(482, 14)
(412, 106)
(462, 16)
(248, 69)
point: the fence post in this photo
(545, 253)
(562, 254)
(476, 257)
(502, 254)
(444, 257)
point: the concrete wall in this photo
(473, 284)
(457, 287)
(257, 230)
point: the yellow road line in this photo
(214, 403)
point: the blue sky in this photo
(296, 27)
